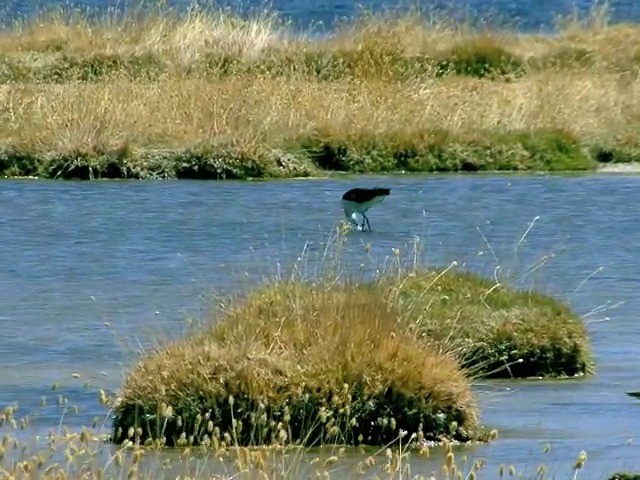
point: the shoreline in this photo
(306, 170)
(632, 167)
(620, 169)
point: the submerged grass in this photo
(207, 94)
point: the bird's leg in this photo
(367, 220)
(362, 224)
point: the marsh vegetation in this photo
(206, 94)
(338, 359)
(298, 374)
(384, 366)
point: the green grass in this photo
(494, 330)
(209, 95)
(311, 155)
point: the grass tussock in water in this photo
(494, 330)
(209, 95)
(301, 364)
(343, 361)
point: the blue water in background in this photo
(321, 16)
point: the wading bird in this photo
(360, 200)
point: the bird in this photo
(360, 200)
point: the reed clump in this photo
(349, 362)
(298, 364)
(494, 330)
(206, 94)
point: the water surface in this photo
(144, 256)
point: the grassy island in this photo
(206, 94)
(352, 363)
(495, 331)
(299, 364)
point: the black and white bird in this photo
(359, 200)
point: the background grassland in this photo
(209, 95)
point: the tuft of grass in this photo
(563, 57)
(480, 57)
(346, 361)
(494, 330)
(298, 364)
(207, 94)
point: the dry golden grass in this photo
(298, 364)
(179, 43)
(81, 454)
(250, 112)
(542, 121)
(351, 362)
(211, 95)
(178, 38)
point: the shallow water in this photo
(322, 16)
(143, 256)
